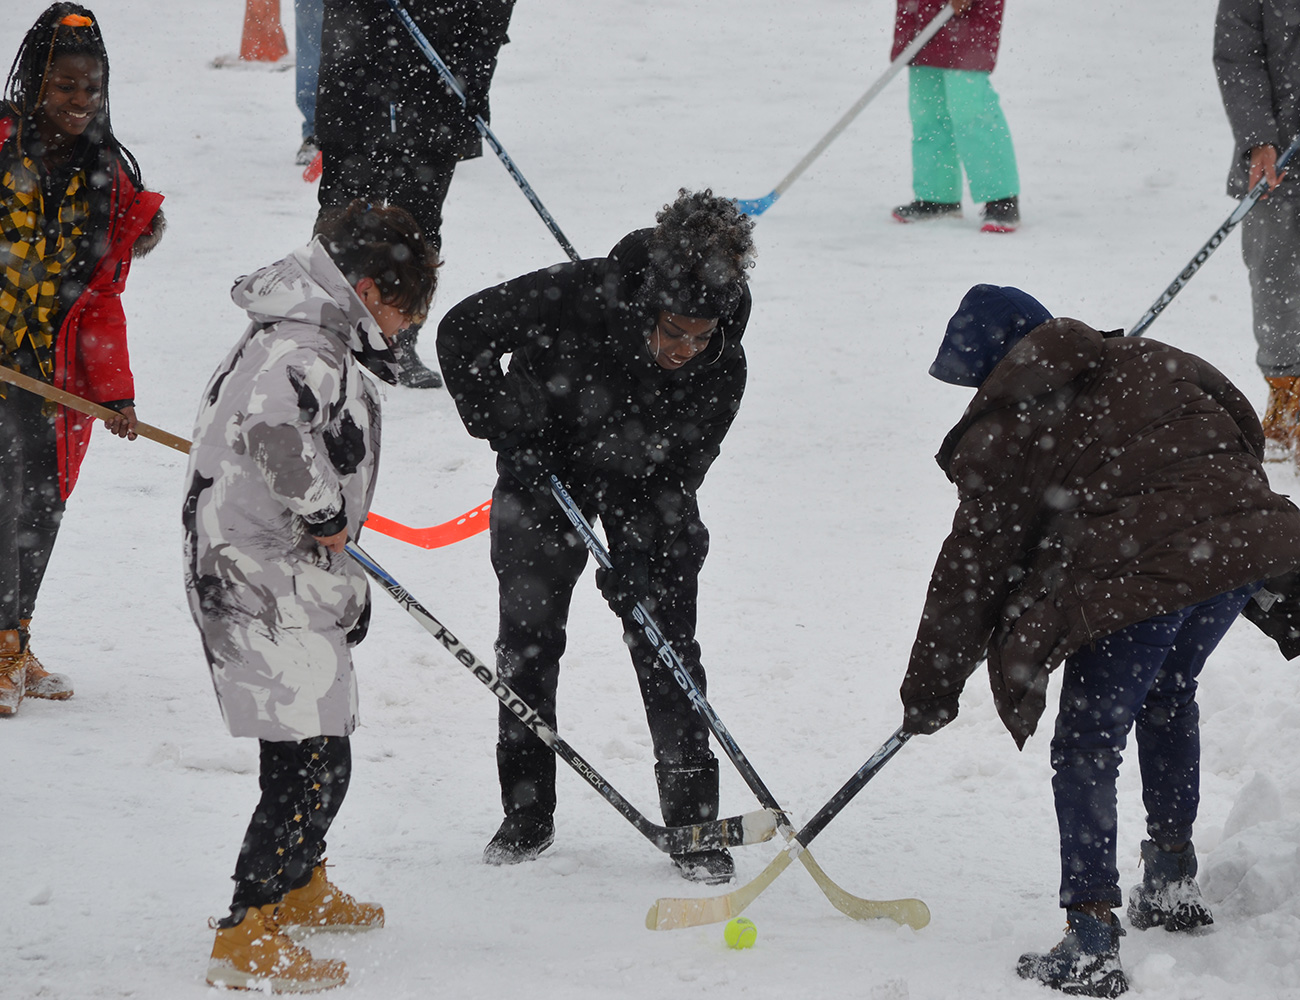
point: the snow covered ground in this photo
(124, 806)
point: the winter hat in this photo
(988, 323)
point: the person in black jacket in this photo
(625, 375)
(388, 128)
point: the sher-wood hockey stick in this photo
(757, 206)
(1212, 244)
(452, 84)
(751, 828)
(841, 899)
(447, 533)
(671, 913)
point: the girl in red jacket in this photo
(73, 212)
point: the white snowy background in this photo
(124, 807)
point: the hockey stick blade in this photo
(755, 207)
(735, 831)
(436, 536)
(673, 913)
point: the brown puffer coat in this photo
(1102, 480)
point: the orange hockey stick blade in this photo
(314, 169)
(435, 537)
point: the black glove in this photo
(627, 583)
(927, 717)
(530, 463)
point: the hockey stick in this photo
(672, 913)
(449, 532)
(752, 828)
(82, 405)
(757, 206)
(438, 535)
(842, 900)
(449, 79)
(1212, 244)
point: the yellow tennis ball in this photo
(740, 933)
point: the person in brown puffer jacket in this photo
(1115, 517)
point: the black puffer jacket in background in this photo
(582, 385)
(375, 81)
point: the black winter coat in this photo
(583, 387)
(377, 86)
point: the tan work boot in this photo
(321, 905)
(256, 955)
(1281, 418)
(13, 671)
(40, 682)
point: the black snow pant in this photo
(415, 179)
(303, 784)
(30, 505)
(538, 559)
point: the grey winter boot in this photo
(688, 794)
(1168, 895)
(528, 797)
(411, 371)
(1085, 963)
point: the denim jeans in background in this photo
(308, 16)
(1144, 674)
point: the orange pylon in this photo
(263, 38)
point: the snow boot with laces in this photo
(1085, 963)
(1168, 895)
(320, 905)
(13, 671)
(251, 952)
(1281, 418)
(40, 682)
(688, 794)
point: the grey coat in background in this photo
(1257, 61)
(286, 440)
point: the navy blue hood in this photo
(988, 323)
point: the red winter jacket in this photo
(969, 41)
(90, 355)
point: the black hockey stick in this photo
(671, 913)
(841, 899)
(752, 828)
(1212, 244)
(449, 79)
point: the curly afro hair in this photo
(699, 253)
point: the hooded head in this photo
(988, 323)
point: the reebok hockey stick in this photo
(757, 206)
(672, 913)
(449, 79)
(1212, 244)
(752, 828)
(842, 900)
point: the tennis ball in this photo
(740, 933)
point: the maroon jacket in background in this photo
(1102, 481)
(969, 41)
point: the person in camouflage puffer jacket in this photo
(282, 470)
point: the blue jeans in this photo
(1144, 674)
(307, 16)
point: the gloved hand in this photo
(927, 717)
(628, 582)
(530, 463)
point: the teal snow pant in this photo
(957, 122)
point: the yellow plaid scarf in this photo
(38, 242)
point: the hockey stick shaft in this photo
(1212, 244)
(758, 206)
(673, 913)
(452, 84)
(751, 828)
(82, 405)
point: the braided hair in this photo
(64, 29)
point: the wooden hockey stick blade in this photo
(669, 913)
(81, 405)
(912, 912)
